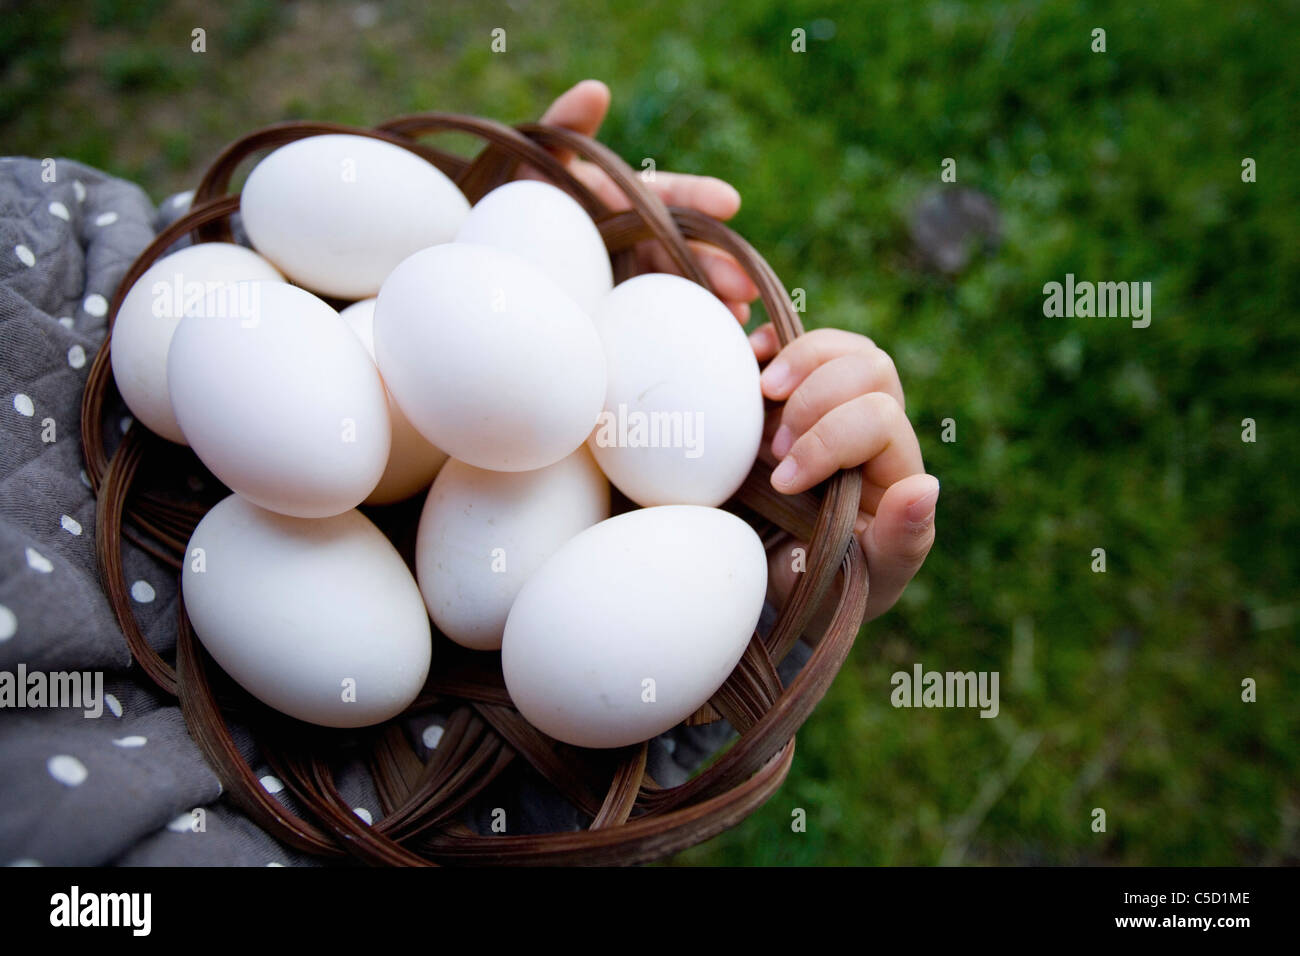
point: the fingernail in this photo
(860, 525)
(776, 375)
(785, 472)
(782, 441)
(920, 513)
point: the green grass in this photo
(1120, 690)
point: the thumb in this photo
(582, 109)
(897, 540)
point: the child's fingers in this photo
(764, 342)
(598, 181)
(728, 279)
(897, 540)
(581, 108)
(798, 359)
(896, 543)
(733, 285)
(838, 381)
(591, 176)
(871, 428)
(708, 194)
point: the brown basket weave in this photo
(633, 819)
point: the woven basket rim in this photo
(634, 820)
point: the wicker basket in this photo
(633, 819)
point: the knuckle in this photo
(817, 446)
(888, 371)
(874, 367)
(819, 344)
(888, 368)
(883, 406)
(798, 408)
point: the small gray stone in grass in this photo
(949, 223)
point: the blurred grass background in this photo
(1119, 690)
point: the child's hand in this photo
(582, 109)
(844, 403)
(843, 408)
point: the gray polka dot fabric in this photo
(127, 786)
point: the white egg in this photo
(280, 400)
(545, 225)
(318, 618)
(483, 533)
(634, 624)
(338, 212)
(683, 413)
(142, 332)
(490, 360)
(412, 461)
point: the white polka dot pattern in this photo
(69, 771)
